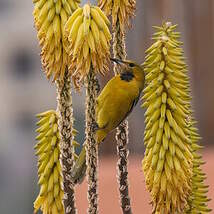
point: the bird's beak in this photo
(118, 61)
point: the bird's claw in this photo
(94, 126)
(97, 85)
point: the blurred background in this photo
(24, 91)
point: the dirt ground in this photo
(108, 193)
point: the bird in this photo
(113, 105)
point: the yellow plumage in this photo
(114, 104)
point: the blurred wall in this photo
(24, 90)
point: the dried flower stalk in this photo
(67, 153)
(91, 145)
(89, 37)
(121, 12)
(122, 131)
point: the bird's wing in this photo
(115, 103)
(106, 94)
(133, 104)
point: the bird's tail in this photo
(78, 171)
(100, 135)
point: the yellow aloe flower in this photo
(47, 149)
(197, 202)
(89, 38)
(121, 10)
(50, 17)
(168, 160)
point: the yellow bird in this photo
(114, 104)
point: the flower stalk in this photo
(50, 18)
(121, 11)
(67, 152)
(122, 131)
(89, 38)
(91, 145)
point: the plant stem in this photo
(119, 52)
(91, 145)
(65, 123)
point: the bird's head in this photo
(129, 65)
(131, 69)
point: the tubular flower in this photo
(197, 202)
(51, 194)
(50, 17)
(121, 10)
(89, 41)
(168, 160)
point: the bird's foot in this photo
(97, 85)
(94, 126)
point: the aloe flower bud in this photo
(120, 10)
(47, 149)
(168, 161)
(50, 17)
(197, 202)
(88, 37)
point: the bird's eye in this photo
(131, 64)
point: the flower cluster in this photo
(51, 194)
(89, 38)
(50, 17)
(168, 161)
(120, 10)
